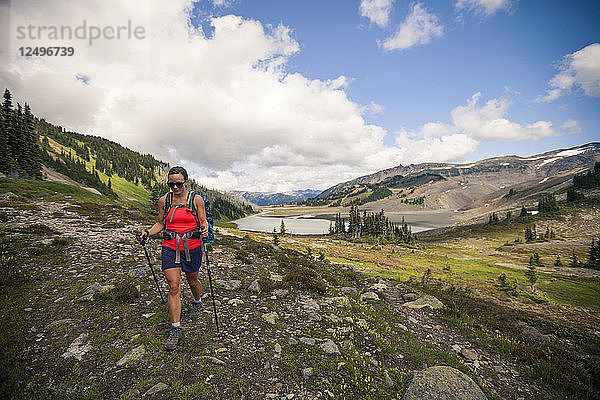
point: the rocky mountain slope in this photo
(475, 186)
(81, 319)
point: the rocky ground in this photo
(82, 318)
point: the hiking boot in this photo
(195, 309)
(173, 339)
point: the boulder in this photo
(233, 284)
(311, 305)
(329, 347)
(132, 355)
(307, 373)
(270, 317)
(442, 382)
(469, 354)
(379, 287)
(281, 292)
(369, 296)
(349, 291)
(531, 332)
(425, 301)
(410, 296)
(139, 272)
(254, 286)
(78, 348)
(159, 387)
(235, 302)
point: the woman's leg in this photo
(195, 285)
(173, 276)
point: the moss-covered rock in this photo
(442, 383)
(425, 301)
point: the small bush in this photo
(243, 256)
(124, 291)
(305, 282)
(60, 242)
(39, 229)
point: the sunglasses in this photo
(173, 184)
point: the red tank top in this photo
(183, 221)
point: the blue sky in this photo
(271, 95)
(513, 52)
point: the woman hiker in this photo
(181, 246)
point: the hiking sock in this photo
(197, 301)
(176, 324)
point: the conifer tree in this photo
(282, 228)
(531, 274)
(594, 255)
(536, 259)
(574, 261)
(7, 161)
(558, 263)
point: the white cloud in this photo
(420, 27)
(572, 126)
(471, 124)
(578, 70)
(483, 7)
(224, 105)
(489, 122)
(444, 148)
(378, 11)
(373, 109)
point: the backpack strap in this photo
(192, 207)
(168, 201)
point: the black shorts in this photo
(168, 259)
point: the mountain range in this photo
(464, 191)
(269, 199)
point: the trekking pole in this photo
(143, 243)
(212, 295)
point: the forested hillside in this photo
(28, 143)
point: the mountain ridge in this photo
(456, 186)
(269, 199)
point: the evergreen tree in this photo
(531, 274)
(573, 195)
(7, 161)
(548, 204)
(282, 228)
(536, 259)
(574, 261)
(34, 160)
(523, 212)
(594, 256)
(558, 263)
(589, 180)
